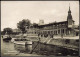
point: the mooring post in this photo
(38, 43)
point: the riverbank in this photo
(69, 43)
(62, 43)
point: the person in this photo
(39, 39)
(2, 36)
(51, 35)
(62, 35)
(38, 34)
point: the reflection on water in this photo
(20, 48)
(9, 47)
(23, 48)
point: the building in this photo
(64, 28)
(41, 22)
(16, 31)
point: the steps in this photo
(32, 35)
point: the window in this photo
(54, 32)
(58, 31)
(63, 30)
(57, 25)
(48, 32)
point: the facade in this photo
(64, 28)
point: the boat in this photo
(22, 41)
(6, 37)
(19, 42)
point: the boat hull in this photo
(7, 39)
(23, 42)
(19, 42)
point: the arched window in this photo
(58, 31)
(63, 30)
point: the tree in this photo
(35, 25)
(23, 25)
(7, 30)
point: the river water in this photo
(9, 48)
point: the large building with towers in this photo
(64, 28)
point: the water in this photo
(9, 48)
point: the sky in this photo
(50, 11)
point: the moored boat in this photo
(6, 38)
(19, 42)
(22, 41)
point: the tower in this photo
(41, 22)
(69, 19)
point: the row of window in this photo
(60, 31)
(54, 32)
(55, 27)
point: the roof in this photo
(54, 23)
